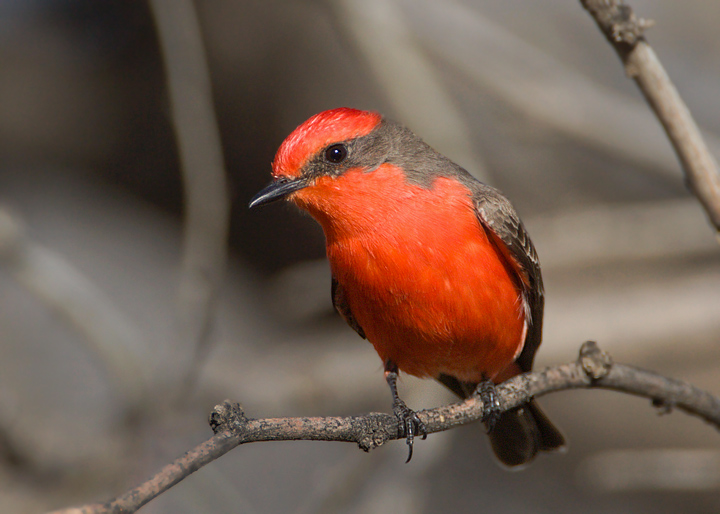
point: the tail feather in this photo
(551, 439)
(521, 433)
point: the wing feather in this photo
(341, 305)
(506, 231)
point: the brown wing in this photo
(340, 304)
(507, 232)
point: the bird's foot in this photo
(410, 423)
(491, 404)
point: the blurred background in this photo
(132, 136)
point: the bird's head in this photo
(320, 150)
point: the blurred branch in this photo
(380, 33)
(625, 32)
(652, 469)
(207, 208)
(593, 369)
(108, 332)
(640, 230)
(539, 85)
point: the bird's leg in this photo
(410, 421)
(491, 405)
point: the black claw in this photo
(491, 404)
(410, 423)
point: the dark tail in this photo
(521, 433)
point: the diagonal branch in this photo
(625, 31)
(593, 369)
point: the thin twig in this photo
(625, 32)
(594, 369)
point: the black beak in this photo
(278, 189)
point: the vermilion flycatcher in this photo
(433, 267)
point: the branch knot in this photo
(595, 363)
(374, 430)
(618, 21)
(227, 416)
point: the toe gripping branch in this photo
(487, 394)
(409, 421)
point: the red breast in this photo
(420, 275)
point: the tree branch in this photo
(593, 369)
(625, 32)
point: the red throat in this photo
(327, 127)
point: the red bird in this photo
(433, 267)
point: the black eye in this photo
(336, 153)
